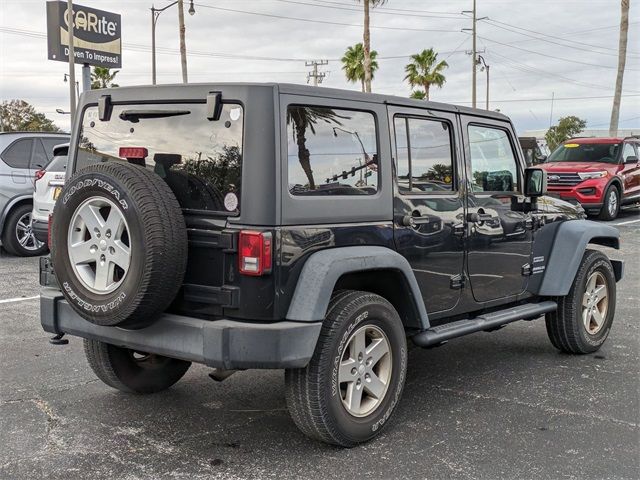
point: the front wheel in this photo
(132, 371)
(583, 319)
(611, 205)
(354, 380)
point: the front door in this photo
(500, 233)
(428, 205)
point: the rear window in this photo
(58, 164)
(586, 152)
(200, 160)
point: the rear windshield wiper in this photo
(135, 115)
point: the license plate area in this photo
(56, 192)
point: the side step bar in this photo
(436, 336)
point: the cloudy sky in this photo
(536, 49)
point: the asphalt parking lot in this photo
(501, 405)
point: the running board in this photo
(436, 336)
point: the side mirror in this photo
(631, 160)
(535, 182)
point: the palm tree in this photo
(368, 74)
(101, 77)
(304, 118)
(353, 64)
(425, 70)
(622, 60)
(418, 95)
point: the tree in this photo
(101, 77)
(353, 64)
(622, 60)
(418, 95)
(425, 71)
(567, 127)
(20, 116)
(366, 37)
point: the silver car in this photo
(21, 155)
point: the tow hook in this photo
(58, 340)
(220, 375)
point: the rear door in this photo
(201, 161)
(428, 204)
(500, 236)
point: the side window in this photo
(49, 143)
(18, 154)
(331, 151)
(425, 155)
(39, 159)
(493, 162)
(628, 151)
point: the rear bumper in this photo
(226, 344)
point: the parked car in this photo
(535, 151)
(48, 185)
(22, 154)
(195, 226)
(601, 174)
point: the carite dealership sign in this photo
(97, 39)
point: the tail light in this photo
(49, 225)
(39, 174)
(255, 252)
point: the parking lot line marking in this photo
(19, 299)
(627, 222)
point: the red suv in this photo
(601, 174)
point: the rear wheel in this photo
(611, 205)
(354, 380)
(132, 371)
(583, 319)
(18, 237)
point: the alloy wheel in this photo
(99, 246)
(365, 370)
(25, 235)
(595, 303)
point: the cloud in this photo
(516, 74)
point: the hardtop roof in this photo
(163, 91)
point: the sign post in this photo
(84, 35)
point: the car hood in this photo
(558, 208)
(579, 167)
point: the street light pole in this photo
(155, 13)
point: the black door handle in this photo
(479, 217)
(412, 221)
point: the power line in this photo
(575, 47)
(324, 22)
(548, 56)
(389, 9)
(519, 100)
(378, 10)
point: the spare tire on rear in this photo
(118, 244)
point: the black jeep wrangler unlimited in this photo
(249, 226)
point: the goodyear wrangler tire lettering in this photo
(118, 244)
(316, 394)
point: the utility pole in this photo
(553, 96)
(315, 74)
(72, 65)
(622, 60)
(474, 51)
(183, 45)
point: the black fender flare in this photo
(322, 270)
(558, 250)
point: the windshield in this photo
(586, 152)
(200, 160)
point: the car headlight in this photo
(587, 175)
